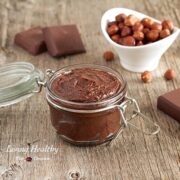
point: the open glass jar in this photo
(80, 123)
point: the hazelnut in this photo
(130, 20)
(121, 40)
(170, 74)
(164, 33)
(115, 38)
(108, 55)
(128, 41)
(147, 22)
(138, 26)
(139, 43)
(111, 23)
(152, 35)
(113, 29)
(121, 25)
(138, 35)
(146, 77)
(125, 31)
(120, 17)
(146, 30)
(156, 26)
(167, 24)
(131, 31)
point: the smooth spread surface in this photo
(86, 85)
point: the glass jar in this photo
(78, 123)
(85, 123)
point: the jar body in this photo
(86, 128)
(86, 123)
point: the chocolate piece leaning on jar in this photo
(169, 103)
(63, 40)
(31, 40)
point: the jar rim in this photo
(86, 65)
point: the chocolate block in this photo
(63, 40)
(169, 103)
(31, 40)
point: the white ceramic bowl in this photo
(137, 58)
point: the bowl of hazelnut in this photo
(139, 40)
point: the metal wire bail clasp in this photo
(136, 112)
(40, 84)
(50, 73)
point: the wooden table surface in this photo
(134, 155)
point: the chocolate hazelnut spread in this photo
(86, 85)
(74, 96)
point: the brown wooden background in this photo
(135, 156)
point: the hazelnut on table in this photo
(146, 77)
(170, 74)
(108, 55)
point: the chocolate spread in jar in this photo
(86, 85)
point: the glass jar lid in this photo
(18, 81)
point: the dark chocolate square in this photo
(31, 40)
(169, 103)
(63, 40)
